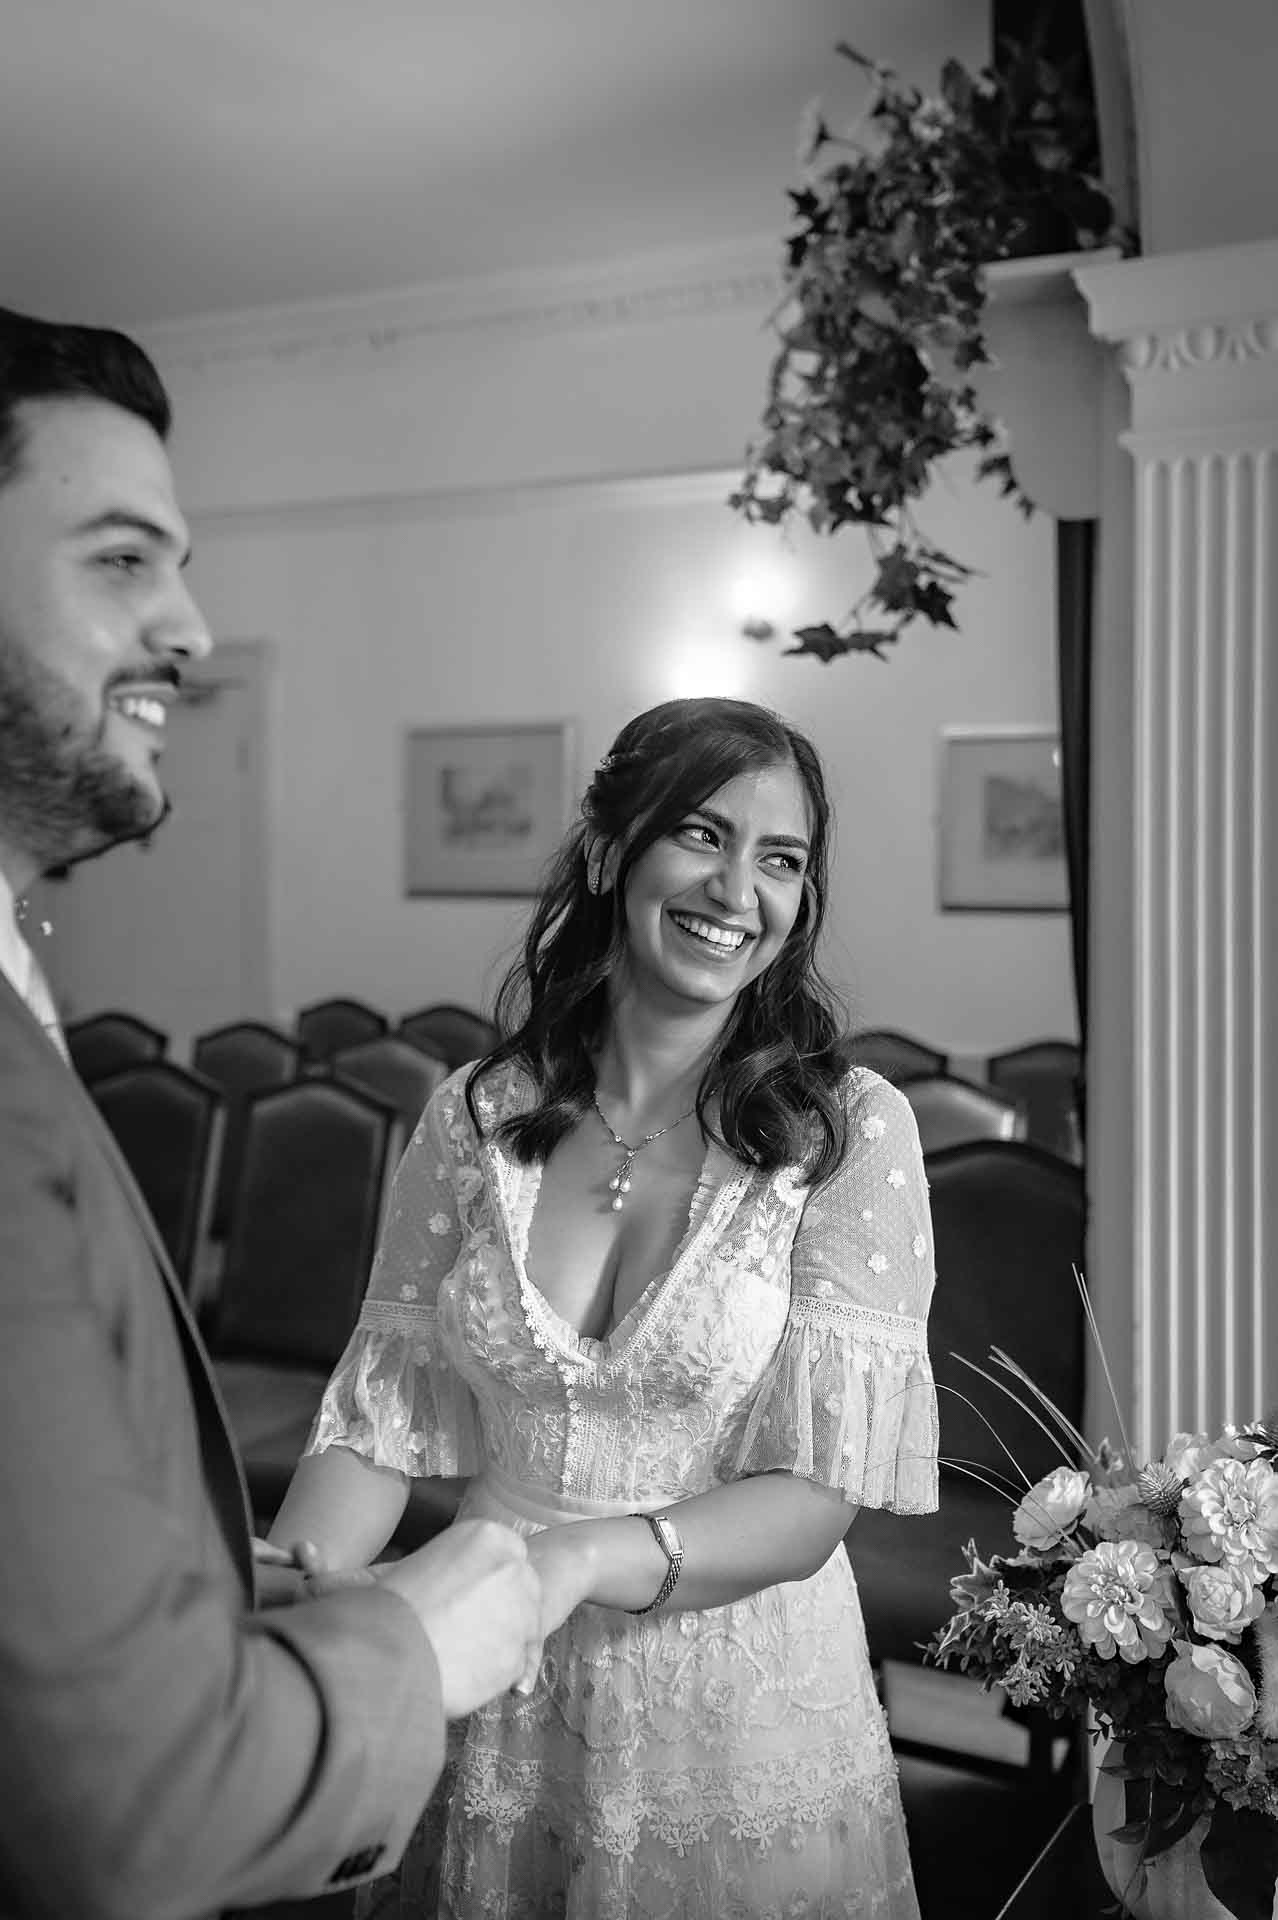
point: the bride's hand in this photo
(566, 1564)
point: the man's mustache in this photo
(164, 673)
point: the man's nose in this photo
(182, 628)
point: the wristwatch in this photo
(671, 1545)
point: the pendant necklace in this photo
(619, 1185)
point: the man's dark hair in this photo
(52, 360)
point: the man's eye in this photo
(123, 562)
(698, 827)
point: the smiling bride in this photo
(655, 1276)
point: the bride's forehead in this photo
(772, 799)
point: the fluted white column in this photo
(1198, 340)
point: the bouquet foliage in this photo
(1145, 1595)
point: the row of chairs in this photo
(1042, 1079)
(104, 1042)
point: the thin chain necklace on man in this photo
(619, 1185)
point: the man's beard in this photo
(63, 797)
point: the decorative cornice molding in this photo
(1212, 305)
(709, 486)
(640, 291)
(1185, 349)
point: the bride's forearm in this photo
(737, 1540)
(343, 1504)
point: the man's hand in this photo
(566, 1566)
(478, 1598)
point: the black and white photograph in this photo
(638, 912)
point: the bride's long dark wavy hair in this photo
(776, 1066)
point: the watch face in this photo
(669, 1537)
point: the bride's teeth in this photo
(717, 936)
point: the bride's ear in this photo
(601, 865)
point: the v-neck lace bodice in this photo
(787, 1320)
(525, 1192)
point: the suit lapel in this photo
(221, 1462)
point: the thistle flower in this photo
(1160, 1489)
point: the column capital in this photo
(1197, 337)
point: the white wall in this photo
(434, 532)
(1207, 135)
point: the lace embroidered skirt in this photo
(731, 1764)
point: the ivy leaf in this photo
(824, 644)
(933, 603)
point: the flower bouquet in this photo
(1146, 1596)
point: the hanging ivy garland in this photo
(881, 321)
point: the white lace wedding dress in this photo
(712, 1765)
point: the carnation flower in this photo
(1120, 1513)
(1209, 1693)
(1119, 1596)
(1050, 1509)
(1229, 1511)
(1223, 1599)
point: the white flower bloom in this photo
(896, 1177)
(1229, 1511)
(439, 1223)
(1222, 1600)
(1050, 1509)
(1209, 1693)
(874, 1127)
(1119, 1596)
(877, 1263)
(918, 1246)
(1189, 1453)
(408, 1293)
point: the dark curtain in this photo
(1075, 584)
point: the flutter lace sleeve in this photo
(394, 1397)
(848, 1398)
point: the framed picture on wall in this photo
(484, 807)
(1001, 823)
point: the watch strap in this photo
(666, 1535)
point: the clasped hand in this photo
(486, 1597)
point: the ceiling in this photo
(166, 158)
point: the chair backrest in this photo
(949, 1111)
(105, 1042)
(169, 1125)
(327, 1027)
(454, 1034)
(242, 1058)
(1045, 1075)
(1008, 1221)
(317, 1160)
(393, 1070)
(895, 1055)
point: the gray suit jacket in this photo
(164, 1752)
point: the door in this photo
(175, 928)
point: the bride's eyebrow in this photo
(795, 842)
